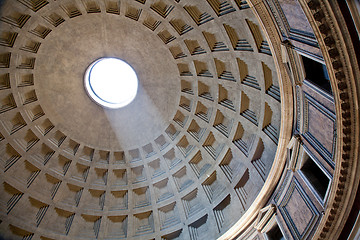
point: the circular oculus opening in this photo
(111, 82)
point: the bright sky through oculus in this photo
(111, 82)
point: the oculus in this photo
(111, 82)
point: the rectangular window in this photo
(317, 74)
(275, 233)
(316, 177)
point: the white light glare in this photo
(111, 82)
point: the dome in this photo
(235, 130)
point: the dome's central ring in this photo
(111, 82)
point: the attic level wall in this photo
(302, 206)
(198, 171)
(302, 197)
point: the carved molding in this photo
(264, 216)
(294, 145)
